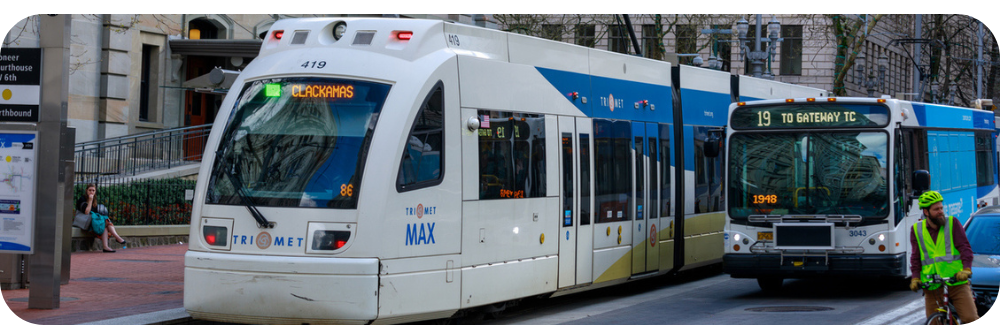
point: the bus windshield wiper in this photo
(234, 178)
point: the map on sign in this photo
(17, 190)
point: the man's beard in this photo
(937, 221)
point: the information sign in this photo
(20, 77)
(17, 191)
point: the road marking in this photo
(916, 318)
(916, 306)
(557, 315)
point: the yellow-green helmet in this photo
(929, 198)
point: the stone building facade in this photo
(137, 73)
(807, 55)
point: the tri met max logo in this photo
(420, 234)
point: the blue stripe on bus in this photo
(931, 115)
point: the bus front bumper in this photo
(798, 266)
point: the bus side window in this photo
(422, 160)
(984, 159)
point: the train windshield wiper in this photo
(234, 177)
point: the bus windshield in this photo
(297, 142)
(832, 173)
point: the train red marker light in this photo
(278, 34)
(215, 236)
(404, 36)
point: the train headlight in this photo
(339, 29)
(329, 240)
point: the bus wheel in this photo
(770, 284)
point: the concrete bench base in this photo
(136, 236)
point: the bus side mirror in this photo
(921, 181)
(713, 145)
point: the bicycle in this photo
(947, 314)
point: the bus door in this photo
(645, 253)
(568, 201)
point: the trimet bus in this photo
(393, 170)
(828, 186)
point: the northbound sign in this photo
(20, 77)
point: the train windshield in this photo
(833, 173)
(297, 142)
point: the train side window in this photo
(708, 176)
(423, 154)
(584, 179)
(511, 155)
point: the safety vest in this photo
(941, 258)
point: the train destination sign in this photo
(20, 77)
(810, 115)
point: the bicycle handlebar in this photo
(936, 279)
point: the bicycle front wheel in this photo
(942, 319)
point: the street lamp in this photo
(757, 56)
(714, 63)
(869, 81)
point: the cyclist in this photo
(939, 246)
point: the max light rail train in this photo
(390, 170)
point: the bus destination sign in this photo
(811, 115)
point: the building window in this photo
(552, 32)
(722, 48)
(651, 43)
(791, 50)
(585, 35)
(617, 39)
(202, 28)
(687, 42)
(147, 81)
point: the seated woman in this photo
(100, 224)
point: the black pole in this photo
(631, 34)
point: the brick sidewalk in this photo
(111, 285)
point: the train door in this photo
(569, 202)
(645, 254)
(585, 181)
(665, 231)
(576, 237)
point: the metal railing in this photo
(143, 201)
(135, 154)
